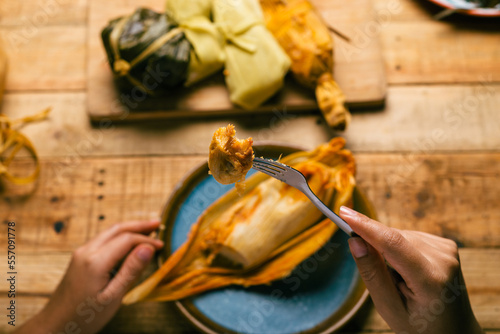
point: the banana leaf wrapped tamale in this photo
(307, 40)
(207, 54)
(255, 63)
(258, 237)
(147, 50)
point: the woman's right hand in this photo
(425, 291)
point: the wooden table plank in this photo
(39, 274)
(418, 119)
(49, 58)
(419, 49)
(149, 318)
(454, 195)
(459, 55)
(32, 14)
(27, 306)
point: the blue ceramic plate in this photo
(468, 8)
(320, 295)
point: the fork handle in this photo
(328, 212)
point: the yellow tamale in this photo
(304, 36)
(207, 55)
(229, 158)
(260, 236)
(255, 63)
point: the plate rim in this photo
(171, 209)
(477, 12)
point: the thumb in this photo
(378, 280)
(129, 272)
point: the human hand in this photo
(88, 296)
(425, 292)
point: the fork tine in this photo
(266, 171)
(270, 164)
(268, 168)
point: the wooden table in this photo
(429, 161)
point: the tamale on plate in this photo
(260, 236)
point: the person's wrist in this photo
(49, 320)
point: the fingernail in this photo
(347, 212)
(358, 247)
(145, 254)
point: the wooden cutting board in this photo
(359, 70)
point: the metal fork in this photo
(297, 180)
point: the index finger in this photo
(408, 261)
(142, 227)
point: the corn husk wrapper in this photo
(255, 63)
(306, 39)
(258, 237)
(207, 55)
(3, 72)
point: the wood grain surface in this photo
(429, 160)
(42, 272)
(418, 119)
(434, 193)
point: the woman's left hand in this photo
(89, 294)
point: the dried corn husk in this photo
(207, 54)
(11, 143)
(307, 41)
(258, 237)
(3, 71)
(255, 63)
(11, 140)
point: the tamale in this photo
(255, 63)
(229, 158)
(306, 39)
(147, 50)
(258, 237)
(207, 53)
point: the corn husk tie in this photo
(207, 54)
(121, 67)
(12, 141)
(269, 230)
